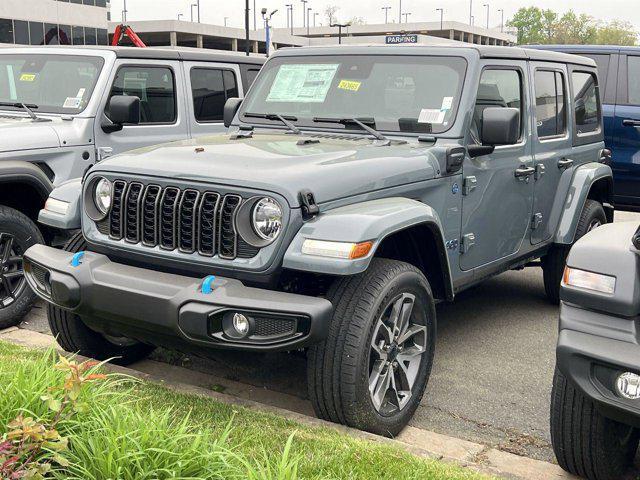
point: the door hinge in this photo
(536, 221)
(104, 152)
(540, 169)
(469, 185)
(468, 241)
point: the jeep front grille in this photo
(186, 220)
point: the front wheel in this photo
(74, 336)
(553, 263)
(585, 442)
(371, 371)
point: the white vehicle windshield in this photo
(48, 83)
(399, 93)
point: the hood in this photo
(282, 163)
(21, 133)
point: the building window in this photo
(36, 33)
(64, 34)
(77, 1)
(90, 36)
(154, 86)
(101, 3)
(6, 30)
(89, 2)
(550, 103)
(78, 35)
(211, 88)
(633, 71)
(21, 32)
(51, 34)
(103, 36)
(585, 101)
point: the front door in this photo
(163, 108)
(498, 188)
(552, 144)
(626, 145)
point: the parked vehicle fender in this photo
(64, 212)
(588, 181)
(14, 171)
(372, 220)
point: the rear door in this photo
(209, 86)
(552, 144)
(626, 145)
(162, 104)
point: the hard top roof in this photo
(159, 53)
(588, 48)
(484, 51)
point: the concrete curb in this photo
(416, 441)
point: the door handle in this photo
(631, 123)
(524, 172)
(565, 163)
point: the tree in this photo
(574, 29)
(357, 21)
(529, 23)
(330, 12)
(617, 33)
(549, 19)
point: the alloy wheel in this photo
(12, 281)
(397, 347)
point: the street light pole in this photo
(308, 12)
(304, 12)
(471, 12)
(246, 27)
(400, 14)
(192, 5)
(501, 19)
(441, 10)
(340, 27)
(180, 15)
(487, 5)
(124, 12)
(254, 15)
(198, 11)
(315, 14)
(225, 21)
(406, 17)
(290, 12)
(386, 14)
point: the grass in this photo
(137, 430)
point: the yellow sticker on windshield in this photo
(351, 85)
(27, 77)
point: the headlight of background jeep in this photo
(102, 195)
(582, 279)
(267, 219)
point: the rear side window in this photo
(211, 88)
(602, 61)
(633, 72)
(154, 86)
(550, 103)
(586, 102)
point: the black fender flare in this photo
(15, 171)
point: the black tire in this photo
(22, 233)
(75, 337)
(554, 262)
(585, 442)
(338, 369)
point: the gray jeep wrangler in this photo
(358, 187)
(64, 108)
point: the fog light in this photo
(628, 385)
(241, 324)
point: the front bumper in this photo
(593, 349)
(171, 310)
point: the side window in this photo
(602, 61)
(633, 72)
(550, 103)
(154, 86)
(498, 88)
(586, 102)
(211, 88)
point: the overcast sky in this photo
(214, 11)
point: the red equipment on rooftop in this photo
(122, 31)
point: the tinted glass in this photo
(252, 73)
(78, 35)
(101, 3)
(230, 84)
(154, 86)
(587, 111)
(64, 32)
(549, 87)
(21, 32)
(633, 72)
(90, 36)
(498, 88)
(396, 93)
(6, 31)
(89, 2)
(55, 83)
(36, 33)
(211, 88)
(51, 34)
(76, 1)
(103, 37)
(602, 61)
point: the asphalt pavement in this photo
(491, 379)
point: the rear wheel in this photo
(371, 371)
(17, 234)
(74, 336)
(592, 217)
(585, 442)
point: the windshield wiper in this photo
(27, 108)
(275, 116)
(362, 123)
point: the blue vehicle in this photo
(619, 70)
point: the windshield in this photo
(417, 94)
(49, 83)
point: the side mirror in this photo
(500, 126)
(123, 109)
(230, 109)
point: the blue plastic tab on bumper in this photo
(207, 284)
(77, 259)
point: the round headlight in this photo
(102, 195)
(267, 218)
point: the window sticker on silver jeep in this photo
(302, 83)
